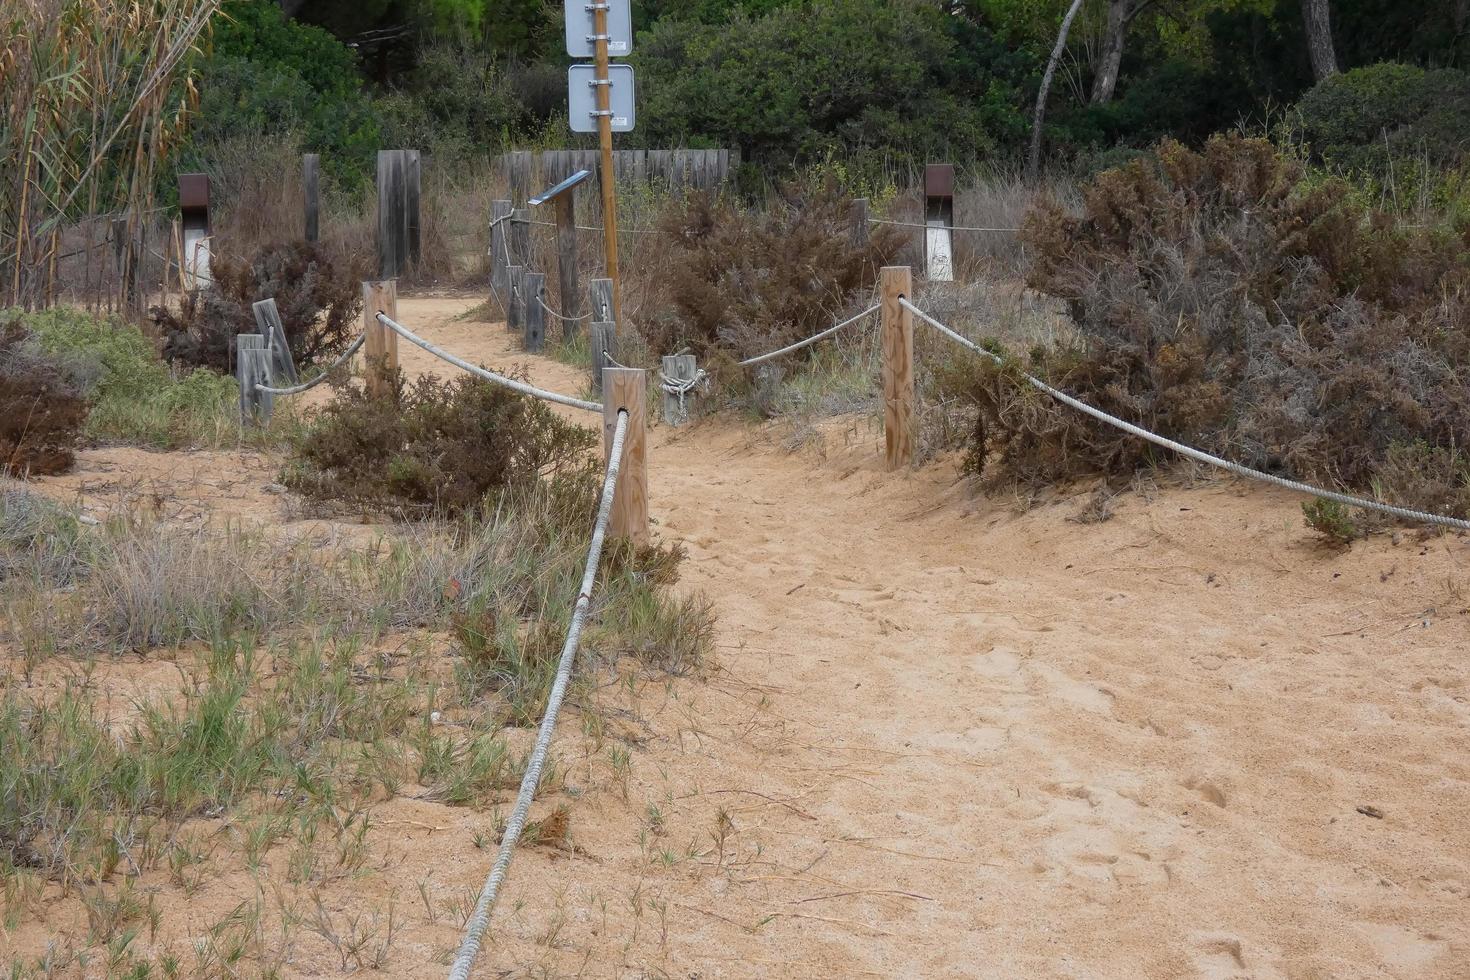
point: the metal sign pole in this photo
(604, 140)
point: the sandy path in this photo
(1034, 747)
(950, 740)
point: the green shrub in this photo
(433, 446)
(133, 397)
(1219, 302)
(1369, 118)
(268, 75)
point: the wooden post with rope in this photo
(515, 298)
(500, 253)
(626, 389)
(896, 281)
(382, 341)
(570, 298)
(534, 304)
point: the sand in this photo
(948, 739)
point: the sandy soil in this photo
(948, 739)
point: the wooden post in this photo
(398, 217)
(857, 218)
(311, 194)
(626, 389)
(602, 343)
(382, 342)
(605, 162)
(602, 300)
(566, 263)
(898, 366)
(499, 251)
(534, 335)
(520, 237)
(515, 292)
(252, 367)
(412, 223)
(268, 320)
(678, 367)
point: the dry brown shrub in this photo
(1222, 302)
(42, 409)
(743, 282)
(317, 292)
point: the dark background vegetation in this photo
(884, 84)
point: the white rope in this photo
(683, 386)
(480, 919)
(499, 379)
(307, 386)
(915, 224)
(568, 319)
(810, 340)
(1198, 455)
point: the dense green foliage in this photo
(787, 82)
(1367, 118)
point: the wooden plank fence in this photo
(528, 171)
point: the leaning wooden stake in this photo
(382, 342)
(857, 222)
(898, 367)
(626, 389)
(268, 322)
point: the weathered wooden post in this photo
(626, 389)
(602, 300)
(382, 341)
(534, 290)
(311, 194)
(520, 237)
(566, 264)
(398, 219)
(268, 320)
(682, 369)
(253, 368)
(515, 291)
(896, 281)
(857, 222)
(499, 252)
(602, 343)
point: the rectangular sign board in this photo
(582, 97)
(580, 18)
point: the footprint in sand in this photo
(1221, 956)
(1402, 949)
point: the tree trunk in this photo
(1317, 14)
(1033, 163)
(1105, 76)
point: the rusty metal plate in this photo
(193, 192)
(939, 180)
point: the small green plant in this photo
(1332, 520)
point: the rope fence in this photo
(1198, 455)
(479, 920)
(308, 385)
(500, 379)
(761, 358)
(559, 316)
